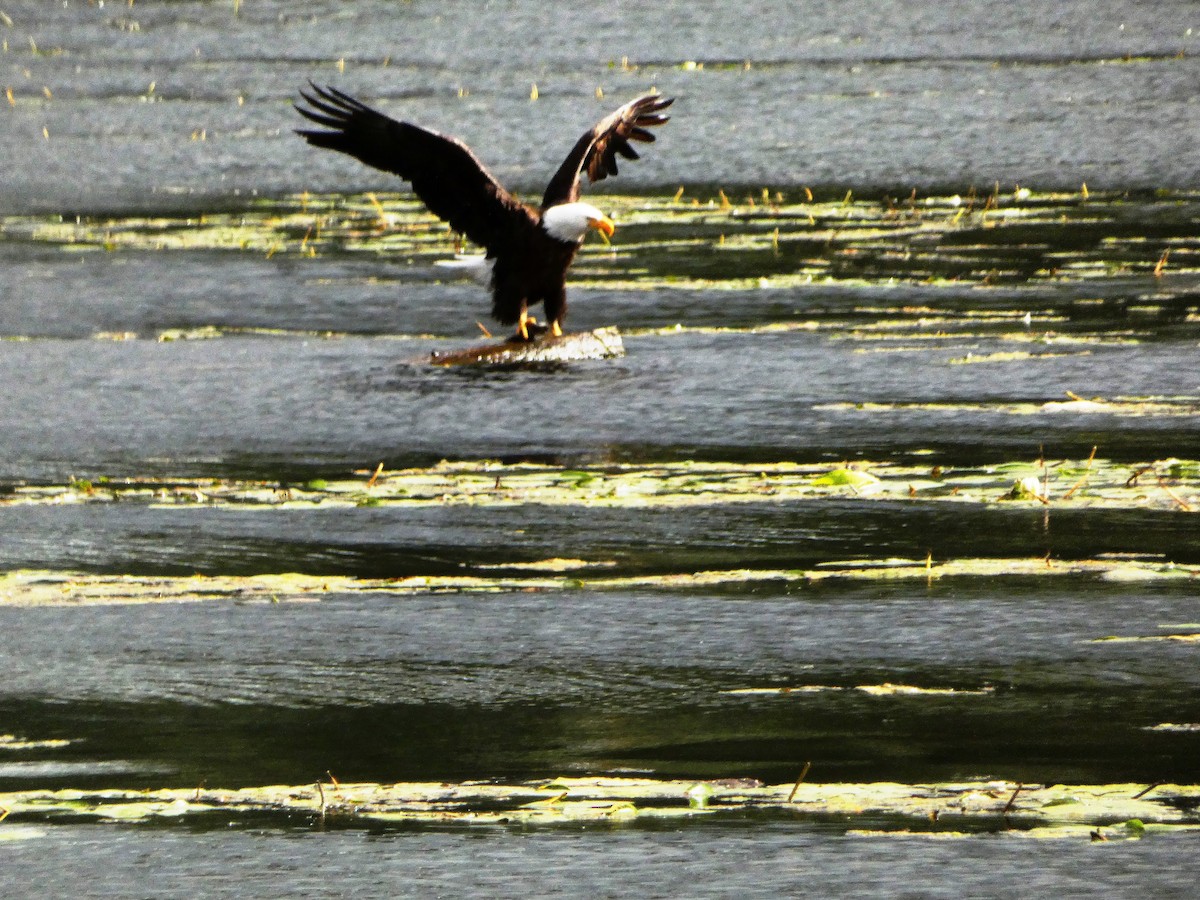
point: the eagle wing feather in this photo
(597, 150)
(443, 172)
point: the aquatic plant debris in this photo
(1168, 484)
(601, 343)
(950, 809)
(29, 587)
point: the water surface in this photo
(853, 346)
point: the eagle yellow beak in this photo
(604, 225)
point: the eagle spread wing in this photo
(444, 173)
(596, 152)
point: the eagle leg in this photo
(528, 327)
(556, 328)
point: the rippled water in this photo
(126, 408)
(775, 859)
(184, 109)
(896, 95)
(458, 686)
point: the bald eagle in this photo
(530, 248)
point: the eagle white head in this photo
(570, 221)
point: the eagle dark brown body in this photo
(530, 248)
(535, 273)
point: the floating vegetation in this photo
(1047, 275)
(1125, 407)
(1189, 638)
(11, 742)
(1079, 812)
(1093, 483)
(777, 240)
(1176, 727)
(53, 588)
(875, 690)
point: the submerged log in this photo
(603, 343)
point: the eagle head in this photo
(569, 222)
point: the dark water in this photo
(873, 97)
(458, 686)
